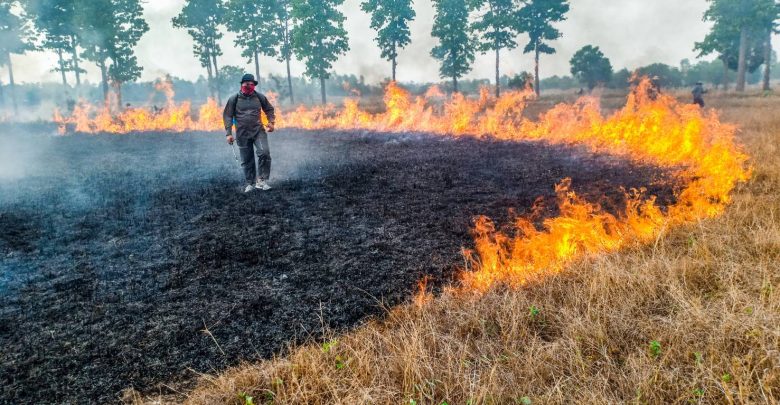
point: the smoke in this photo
(21, 155)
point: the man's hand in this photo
(230, 139)
(270, 127)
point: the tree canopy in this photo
(202, 20)
(456, 47)
(496, 27)
(109, 31)
(740, 31)
(536, 19)
(14, 39)
(255, 24)
(390, 19)
(590, 66)
(319, 37)
(55, 20)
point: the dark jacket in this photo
(247, 113)
(698, 91)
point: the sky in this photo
(631, 33)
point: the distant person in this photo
(244, 109)
(698, 94)
(655, 88)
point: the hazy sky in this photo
(630, 32)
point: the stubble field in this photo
(135, 263)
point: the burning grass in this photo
(660, 131)
(687, 312)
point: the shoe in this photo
(249, 188)
(262, 185)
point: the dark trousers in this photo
(249, 146)
(699, 101)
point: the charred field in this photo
(133, 260)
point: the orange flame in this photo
(656, 130)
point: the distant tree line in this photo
(106, 32)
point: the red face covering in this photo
(247, 88)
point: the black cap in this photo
(249, 78)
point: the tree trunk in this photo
(62, 67)
(12, 84)
(118, 91)
(210, 75)
(742, 62)
(257, 67)
(322, 89)
(498, 75)
(767, 60)
(536, 70)
(104, 80)
(76, 61)
(287, 56)
(454, 84)
(289, 82)
(216, 77)
(725, 75)
(394, 61)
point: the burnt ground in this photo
(115, 251)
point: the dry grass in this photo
(694, 317)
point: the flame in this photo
(652, 129)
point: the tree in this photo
(254, 23)
(724, 40)
(590, 66)
(497, 29)
(668, 76)
(455, 50)
(620, 79)
(283, 21)
(706, 72)
(390, 19)
(746, 22)
(770, 30)
(202, 19)
(109, 31)
(55, 20)
(14, 39)
(229, 78)
(319, 36)
(536, 18)
(520, 81)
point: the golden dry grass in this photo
(691, 318)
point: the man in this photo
(244, 108)
(698, 94)
(655, 88)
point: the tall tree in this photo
(536, 19)
(319, 36)
(202, 20)
(129, 27)
(55, 20)
(770, 30)
(14, 39)
(390, 19)
(284, 28)
(455, 50)
(724, 40)
(255, 26)
(110, 30)
(497, 28)
(745, 21)
(591, 67)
